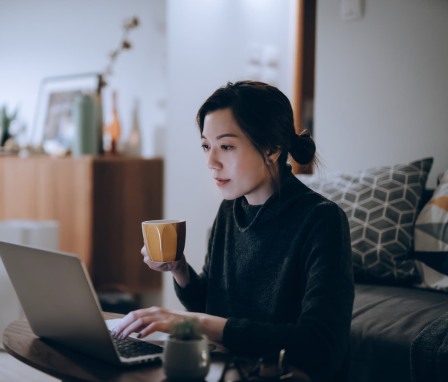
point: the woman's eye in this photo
(226, 147)
(205, 147)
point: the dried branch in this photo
(124, 44)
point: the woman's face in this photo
(237, 166)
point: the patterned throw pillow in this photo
(431, 239)
(381, 205)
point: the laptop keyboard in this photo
(129, 348)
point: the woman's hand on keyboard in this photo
(149, 320)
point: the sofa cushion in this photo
(386, 321)
(381, 205)
(431, 238)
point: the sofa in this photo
(399, 233)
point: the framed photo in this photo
(54, 124)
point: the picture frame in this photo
(54, 124)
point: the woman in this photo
(278, 271)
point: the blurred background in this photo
(376, 94)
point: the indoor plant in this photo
(186, 354)
(6, 120)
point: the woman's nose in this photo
(213, 162)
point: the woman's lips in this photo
(221, 182)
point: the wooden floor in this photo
(12, 370)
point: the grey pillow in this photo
(381, 205)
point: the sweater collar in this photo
(247, 216)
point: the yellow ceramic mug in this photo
(164, 239)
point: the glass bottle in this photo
(114, 128)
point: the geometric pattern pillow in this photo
(431, 238)
(381, 205)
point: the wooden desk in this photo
(99, 203)
(67, 365)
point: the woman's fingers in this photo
(144, 322)
(131, 322)
(135, 327)
(158, 326)
(156, 266)
(162, 267)
(124, 323)
(145, 255)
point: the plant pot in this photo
(186, 360)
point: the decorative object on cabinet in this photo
(99, 203)
(6, 119)
(112, 130)
(133, 145)
(124, 44)
(85, 132)
(54, 126)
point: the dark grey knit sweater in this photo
(283, 278)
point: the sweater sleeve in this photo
(193, 296)
(318, 342)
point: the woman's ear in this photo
(272, 157)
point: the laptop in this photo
(59, 301)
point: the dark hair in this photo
(265, 115)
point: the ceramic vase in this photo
(186, 360)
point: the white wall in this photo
(382, 85)
(59, 37)
(210, 43)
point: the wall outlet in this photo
(351, 10)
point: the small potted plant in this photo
(6, 120)
(186, 354)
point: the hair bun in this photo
(303, 148)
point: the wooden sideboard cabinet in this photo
(99, 203)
